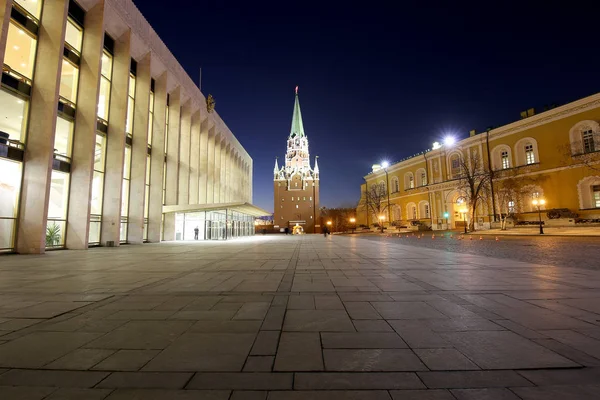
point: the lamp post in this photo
(381, 219)
(329, 226)
(353, 222)
(538, 203)
(464, 213)
(385, 166)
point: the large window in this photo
(74, 36)
(69, 75)
(13, 117)
(63, 139)
(596, 196)
(57, 209)
(130, 106)
(150, 118)
(147, 198)
(33, 7)
(125, 194)
(97, 189)
(20, 50)
(10, 187)
(529, 154)
(588, 141)
(104, 96)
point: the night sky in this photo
(376, 81)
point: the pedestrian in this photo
(287, 230)
(325, 231)
(196, 231)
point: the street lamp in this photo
(538, 203)
(353, 222)
(385, 166)
(381, 219)
(464, 213)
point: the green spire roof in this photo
(297, 126)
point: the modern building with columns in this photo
(104, 139)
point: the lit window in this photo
(426, 210)
(310, 198)
(292, 198)
(588, 141)
(296, 205)
(455, 163)
(20, 50)
(150, 118)
(63, 138)
(68, 81)
(13, 117)
(423, 178)
(596, 195)
(411, 182)
(130, 106)
(396, 184)
(73, 36)
(529, 156)
(505, 161)
(414, 212)
(33, 7)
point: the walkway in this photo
(282, 317)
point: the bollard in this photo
(497, 239)
(433, 236)
(450, 236)
(480, 237)
(471, 238)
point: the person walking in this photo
(196, 231)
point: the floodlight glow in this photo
(449, 140)
(385, 164)
(436, 145)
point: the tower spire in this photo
(276, 169)
(316, 169)
(297, 130)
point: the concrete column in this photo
(37, 164)
(223, 186)
(203, 162)
(227, 174)
(115, 143)
(84, 135)
(172, 161)
(184, 154)
(5, 8)
(249, 184)
(240, 180)
(157, 158)
(194, 157)
(139, 153)
(217, 173)
(210, 166)
(234, 175)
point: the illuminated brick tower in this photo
(296, 184)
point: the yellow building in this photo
(552, 158)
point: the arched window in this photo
(589, 192)
(411, 211)
(382, 187)
(454, 166)
(396, 212)
(424, 211)
(526, 150)
(501, 157)
(395, 184)
(585, 137)
(409, 181)
(528, 194)
(421, 177)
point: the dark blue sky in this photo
(376, 81)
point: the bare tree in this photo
(375, 198)
(510, 191)
(474, 183)
(584, 152)
(339, 217)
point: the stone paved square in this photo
(295, 317)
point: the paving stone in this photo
(372, 360)
(203, 315)
(266, 343)
(445, 360)
(569, 352)
(250, 311)
(24, 393)
(303, 302)
(505, 350)
(226, 326)
(582, 376)
(18, 323)
(582, 392)
(47, 309)
(259, 364)
(406, 310)
(78, 394)
(317, 321)
(372, 326)
(299, 352)
(484, 394)
(132, 315)
(241, 381)
(42, 378)
(146, 380)
(227, 307)
(39, 348)
(361, 310)
(163, 394)
(142, 335)
(330, 395)
(420, 338)
(328, 303)
(249, 395)
(274, 319)
(362, 340)
(126, 360)
(356, 381)
(204, 352)
(80, 359)
(472, 379)
(431, 394)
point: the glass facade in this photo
(213, 225)
(32, 7)
(57, 210)
(10, 187)
(97, 189)
(130, 106)
(13, 118)
(104, 96)
(19, 55)
(74, 36)
(125, 194)
(68, 81)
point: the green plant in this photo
(52, 235)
